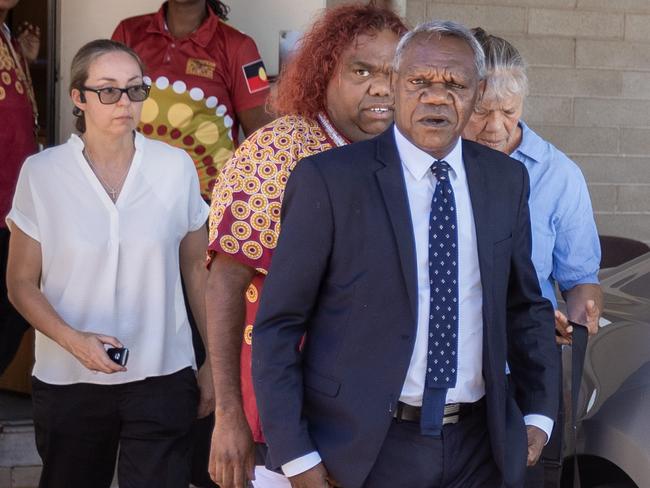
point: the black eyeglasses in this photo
(112, 94)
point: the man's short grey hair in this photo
(506, 68)
(443, 28)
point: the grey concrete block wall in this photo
(589, 70)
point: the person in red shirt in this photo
(207, 79)
(335, 90)
(17, 141)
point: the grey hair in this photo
(443, 28)
(506, 68)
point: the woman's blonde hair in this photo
(81, 65)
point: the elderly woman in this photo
(101, 227)
(566, 249)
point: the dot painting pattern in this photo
(246, 203)
(184, 117)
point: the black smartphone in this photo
(119, 355)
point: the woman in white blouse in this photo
(101, 228)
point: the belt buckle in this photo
(452, 414)
(451, 419)
(397, 414)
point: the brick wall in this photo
(590, 89)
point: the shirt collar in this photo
(529, 146)
(78, 143)
(418, 162)
(201, 36)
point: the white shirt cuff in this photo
(542, 422)
(302, 464)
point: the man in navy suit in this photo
(404, 262)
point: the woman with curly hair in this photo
(335, 90)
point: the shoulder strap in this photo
(578, 350)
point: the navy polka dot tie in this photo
(443, 314)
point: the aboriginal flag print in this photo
(255, 75)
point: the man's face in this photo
(435, 88)
(494, 122)
(358, 97)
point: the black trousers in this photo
(12, 324)
(202, 428)
(79, 428)
(460, 458)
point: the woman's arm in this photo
(23, 278)
(192, 258)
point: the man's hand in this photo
(232, 454)
(315, 477)
(29, 38)
(536, 440)
(206, 388)
(591, 315)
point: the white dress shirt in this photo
(112, 268)
(420, 186)
(470, 386)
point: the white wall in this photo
(81, 21)
(264, 19)
(84, 20)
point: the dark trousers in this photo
(202, 428)
(12, 324)
(79, 428)
(460, 458)
(201, 442)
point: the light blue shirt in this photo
(566, 249)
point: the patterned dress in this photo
(245, 212)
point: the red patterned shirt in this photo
(17, 139)
(245, 212)
(199, 84)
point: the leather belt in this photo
(454, 412)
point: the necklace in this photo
(333, 134)
(113, 192)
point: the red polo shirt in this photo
(199, 84)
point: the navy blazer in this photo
(344, 275)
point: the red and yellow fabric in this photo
(17, 111)
(245, 213)
(199, 84)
